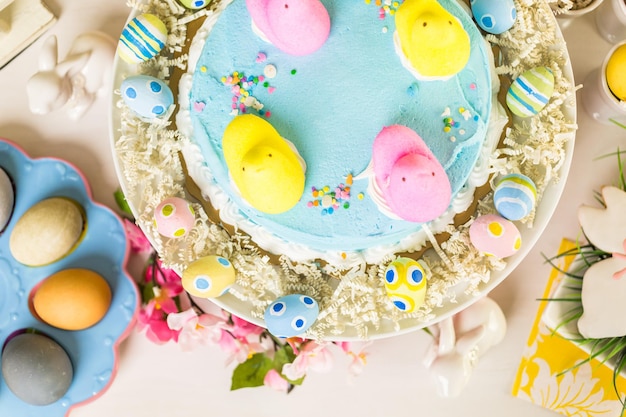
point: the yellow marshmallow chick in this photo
(432, 40)
(267, 169)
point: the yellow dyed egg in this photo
(72, 299)
(266, 168)
(432, 39)
(47, 232)
(616, 73)
(209, 277)
(405, 282)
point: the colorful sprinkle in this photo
(199, 106)
(241, 87)
(293, 72)
(270, 71)
(261, 57)
(332, 199)
(385, 7)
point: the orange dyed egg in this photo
(72, 299)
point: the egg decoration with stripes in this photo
(515, 196)
(142, 39)
(209, 277)
(530, 92)
(494, 235)
(291, 315)
(405, 282)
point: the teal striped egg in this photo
(515, 196)
(142, 39)
(530, 92)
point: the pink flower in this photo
(242, 328)
(241, 349)
(139, 243)
(313, 356)
(275, 381)
(169, 281)
(157, 330)
(358, 359)
(195, 329)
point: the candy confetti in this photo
(386, 7)
(241, 87)
(332, 199)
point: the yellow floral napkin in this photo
(586, 390)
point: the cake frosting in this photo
(375, 87)
(332, 104)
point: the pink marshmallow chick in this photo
(411, 179)
(297, 27)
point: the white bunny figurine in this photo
(74, 82)
(459, 341)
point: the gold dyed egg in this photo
(72, 299)
(47, 232)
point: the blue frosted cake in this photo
(330, 105)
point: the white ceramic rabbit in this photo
(459, 341)
(75, 82)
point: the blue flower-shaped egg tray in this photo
(103, 249)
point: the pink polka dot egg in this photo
(494, 235)
(174, 217)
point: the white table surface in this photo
(163, 381)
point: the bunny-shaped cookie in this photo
(604, 287)
(74, 82)
(459, 341)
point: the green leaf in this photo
(120, 199)
(251, 373)
(281, 357)
(147, 292)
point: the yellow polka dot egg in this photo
(494, 235)
(174, 217)
(209, 277)
(405, 282)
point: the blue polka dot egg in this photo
(209, 277)
(291, 315)
(147, 96)
(405, 282)
(515, 196)
(530, 92)
(494, 16)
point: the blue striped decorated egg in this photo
(515, 196)
(209, 277)
(142, 39)
(530, 92)
(291, 315)
(195, 4)
(147, 96)
(405, 282)
(495, 236)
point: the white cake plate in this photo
(530, 236)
